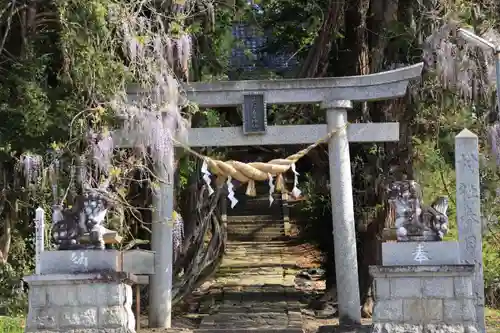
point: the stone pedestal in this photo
(421, 299)
(83, 303)
(423, 253)
(96, 261)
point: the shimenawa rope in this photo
(255, 171)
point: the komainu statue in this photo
(412, 220)
(82, 226)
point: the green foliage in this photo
(96, 69)
(58, 79)
(21, 263)
(14, 300)
(316, 211)
(436, 177)
(11, 324)
(317, 205)
(294, 24)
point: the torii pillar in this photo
(344, 226)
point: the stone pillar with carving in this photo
(469, 213)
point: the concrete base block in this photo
(431, 328)
(423, 299)
(80, 303)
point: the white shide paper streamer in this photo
(230, 195)
(271, 190)
(295, 191)
(206, 177)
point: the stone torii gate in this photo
(335, 95)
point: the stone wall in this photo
(80, 303)
(424, 299)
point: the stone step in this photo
(253, 230)
(236, 252)
(251, 220)
(245, 232)
(276, 245)
(255, 208)
(268, 238)
(245, 218)
(250, 268)
(229, 330)
(255, 225)
(264, 236)
(263, 245)
(257, 249)
(325, 328)
(251, 319)
(272, 247)
(249, 249)
(256, 236)
(276, 214)
(361, 328)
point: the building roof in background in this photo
(250, 54)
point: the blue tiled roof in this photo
(250, 55)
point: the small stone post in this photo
(469, 213)
(39, 237)
(160, 295)
(344, 230)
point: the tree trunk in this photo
(7, 212)
(356, 40)
(5, 240)
(199, 260)
(317, 61)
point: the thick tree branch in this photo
(6, 237)
(316, 62)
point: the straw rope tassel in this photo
(257, 171)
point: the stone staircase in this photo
(253, 291)
(254, 219)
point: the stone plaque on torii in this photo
(336, 96)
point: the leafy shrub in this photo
(11, 325)
(13, 299)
